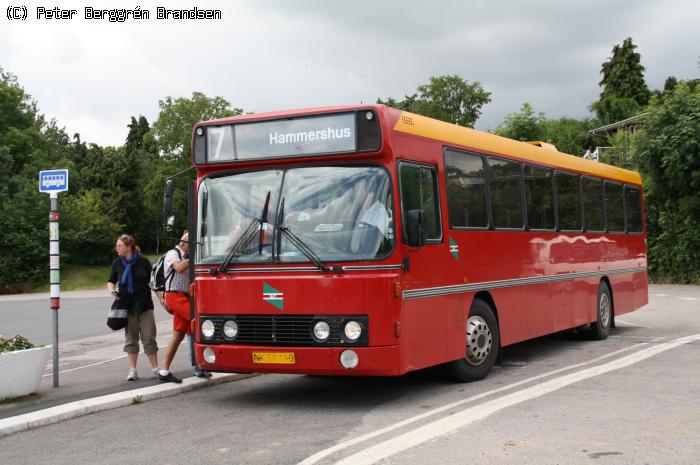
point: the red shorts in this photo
(179, 306)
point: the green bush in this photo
(89, 229)
(15, 343)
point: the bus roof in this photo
(539, 153)
(410, 123)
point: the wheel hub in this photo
(479, 340)
(604, 305)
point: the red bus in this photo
(364, 240)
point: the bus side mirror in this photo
(169, 219)
(414, 228)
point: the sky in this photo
(93, 75)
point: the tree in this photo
(22, 208)
(20, 129)
(570, 135)
(670, 84)
(24, 225)
(667, 150)
(135, 138)
(92, 227)
(172, 131)
(612, 109)
(143, 158)
(625, 92)
(447, 98)
(523, 126)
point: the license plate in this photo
(284, 358)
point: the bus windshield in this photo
(339, 212)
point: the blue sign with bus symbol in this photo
(53, 181)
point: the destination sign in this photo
(290, 137)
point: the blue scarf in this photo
(127, 277)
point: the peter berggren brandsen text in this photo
(121, 15)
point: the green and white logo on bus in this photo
(454, 249)
(273, 296)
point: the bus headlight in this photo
(208, 329)
(321, 331)
(353, 330)
(230, 329)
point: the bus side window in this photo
(465, 177)
(568, 201)
(505, 192)
(419, 192)
(614, 207)
(539, 198)
(593, 204)
(633, 199)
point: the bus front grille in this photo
(284, 330)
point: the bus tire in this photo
(483, 344)
(601, 327)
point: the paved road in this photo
(631, 399)
(82, 314)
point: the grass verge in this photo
(77, 278)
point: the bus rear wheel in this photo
(483, 343)
(600, 329)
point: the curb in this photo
(83, 407)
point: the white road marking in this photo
(86, 366)
(659, 295)
(627, 323)
(325, 453)
(457, 420)
(48, 366)
(692, 299)
(651, 338)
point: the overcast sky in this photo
(93, 75)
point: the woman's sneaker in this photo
(133, 376)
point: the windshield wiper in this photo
(248, 235)
(298, 243)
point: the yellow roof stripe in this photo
(422, 126)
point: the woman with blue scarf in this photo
(128, 282)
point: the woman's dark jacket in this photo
(141, 300)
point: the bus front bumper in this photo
(372, 361)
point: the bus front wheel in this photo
(483, 343)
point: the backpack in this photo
(158, 278)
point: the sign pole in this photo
(55, 281)
(52, 182)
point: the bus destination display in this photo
(292, 137)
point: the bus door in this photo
(424, 320)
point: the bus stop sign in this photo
(53, 181)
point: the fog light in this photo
(349, 359)
(231, 329)
(209, 355)
(208, 329)
(321, 331)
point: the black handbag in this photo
(118, 315)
